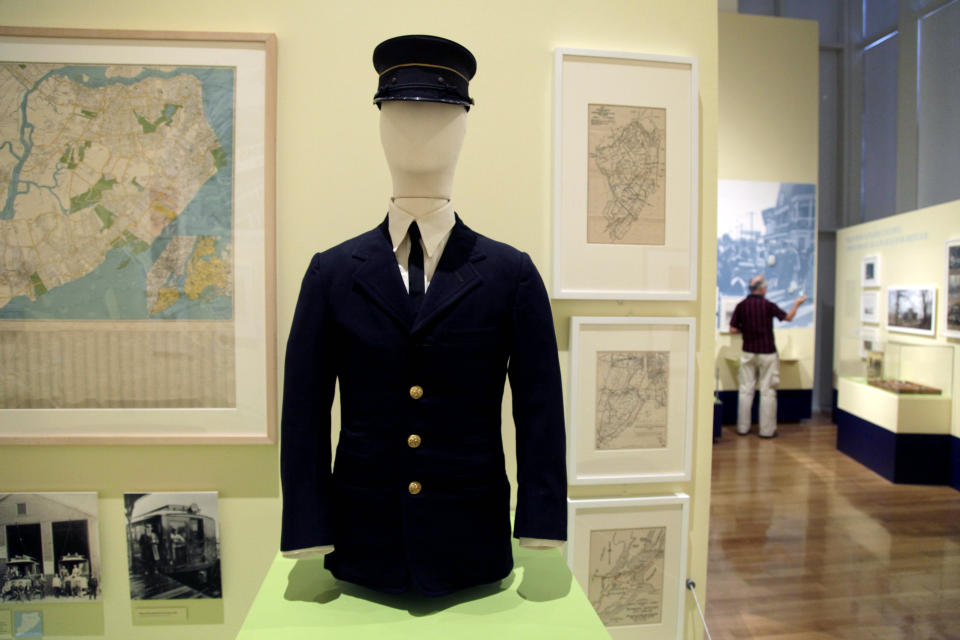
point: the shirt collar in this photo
(434, 226)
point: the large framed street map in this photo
(625, 176)
(137, 275)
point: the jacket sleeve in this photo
(534, 372)
(308, 387)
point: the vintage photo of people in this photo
(49, 547)
(173, 545)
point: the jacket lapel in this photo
(454, 277)
(380, 278)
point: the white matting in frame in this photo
(870, 271)
(630, 557)
(631, 399)
(158, 147)
(625, 177)
(951, 306)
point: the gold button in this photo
(416, 392)
(414, 441)
(414, 488)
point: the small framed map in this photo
(137, 236)
(629, 556)
(625, 176)
(631, 392)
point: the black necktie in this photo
(415, 266)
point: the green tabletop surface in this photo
(540, 599)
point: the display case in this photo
(903, 368)
(898, 367)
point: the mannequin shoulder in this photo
(504, 257)
(343, 254)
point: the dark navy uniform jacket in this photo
(419, 496)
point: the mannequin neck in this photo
(419, 207)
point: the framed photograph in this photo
(951, 320)
(912, 309)
(769, 229)
(630, 557)
(725, 311)
(870, 306)
(51, 545)
(137, 278)
(173, 545)
(870, 271)
(625, 182)
(869, 340)
(631, 399)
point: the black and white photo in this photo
(49, 547)
(870, 306)
(173, 545)
(870, 271)
(912, 309)
(951, 325)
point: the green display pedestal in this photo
(540, 599)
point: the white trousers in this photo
(763, 370)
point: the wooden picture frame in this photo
(625, 176)
(631, 400)
(630, 557)
(152, 155)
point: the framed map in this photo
(625, 176)
(629, 556)
(136, 236)
(631, 394)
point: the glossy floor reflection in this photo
(807, 543)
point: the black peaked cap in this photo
(425, 68)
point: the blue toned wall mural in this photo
(767, 228)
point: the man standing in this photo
(753, 317)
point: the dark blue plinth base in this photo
(955, 462)
(793, 405)
(906, 458)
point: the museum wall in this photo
(912, 251)
(769, 78)
(332, 183)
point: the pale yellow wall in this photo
(912, 251)
(768, 132)
(333, 184)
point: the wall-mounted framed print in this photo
(951, 320)
(137, 284)
(912, 309)
(625, 177)
(869, 306)
(870, 271)
(725, 312)
(173, 545)
(631, 399)
(869, 340)
(630, 557)
(51, 545)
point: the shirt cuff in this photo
(540, 543)
(309, 552)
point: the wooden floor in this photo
(807, 543)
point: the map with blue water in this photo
(116, 192)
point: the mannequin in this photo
(418, 497)
(422, 142)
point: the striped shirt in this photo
(753, 317)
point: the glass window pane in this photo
(829, 138)
(756, 7)
(878, 168)
(879, 16)
(826, 12)
(938, 107)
